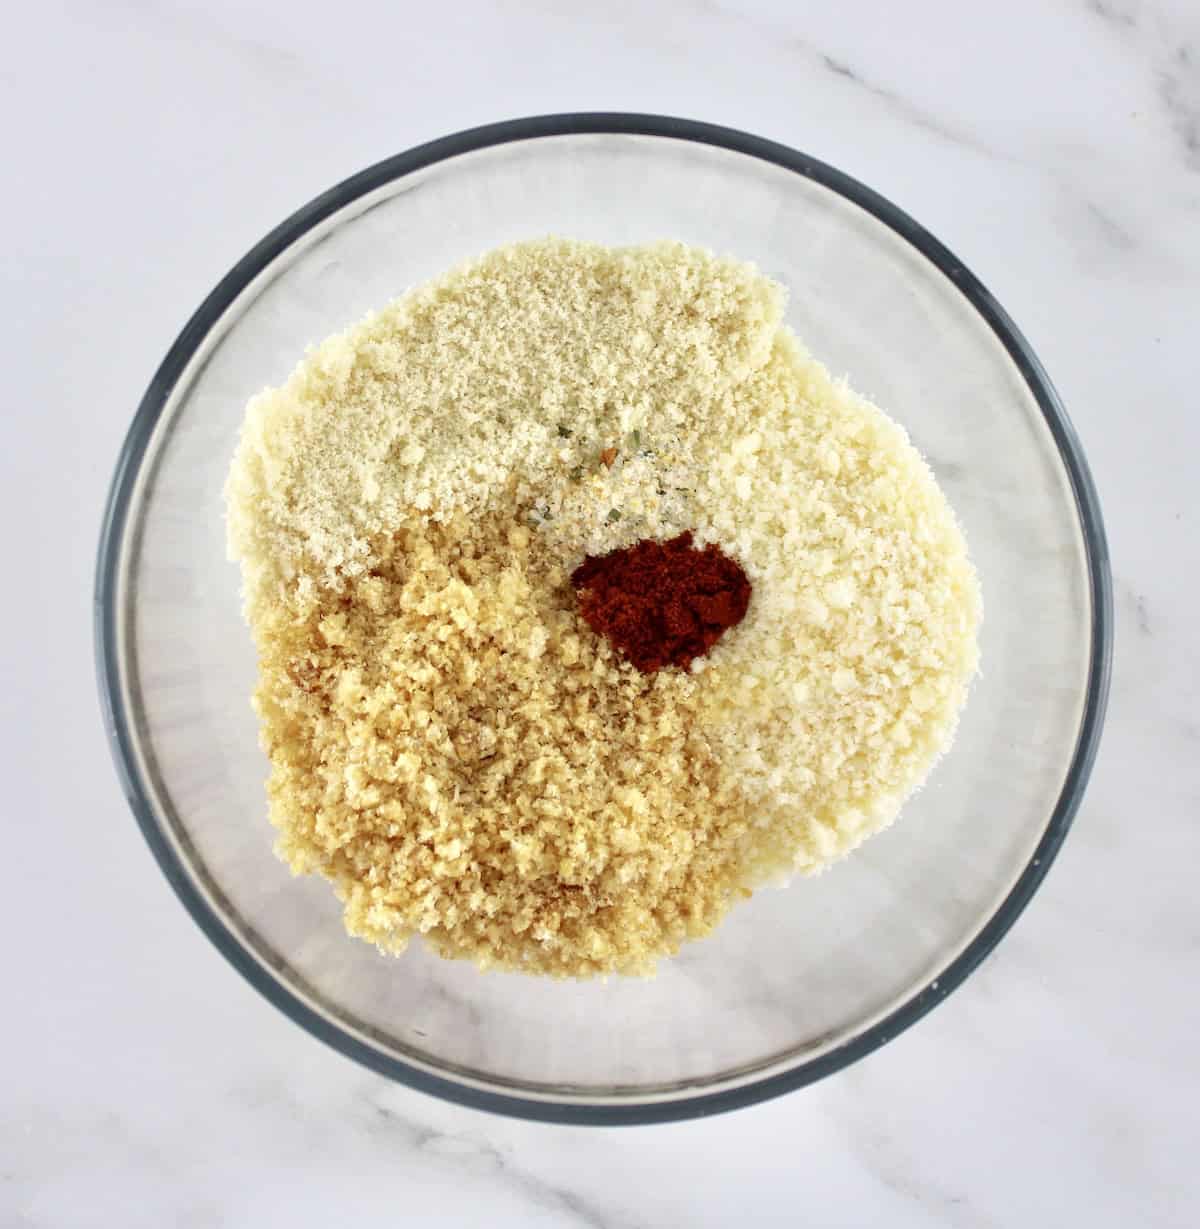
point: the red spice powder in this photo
(662, 603)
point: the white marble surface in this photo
(1056, 148)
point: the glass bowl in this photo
(796, 983)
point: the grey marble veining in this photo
(1056, 149)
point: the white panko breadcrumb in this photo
(450, 743)
(467, 383)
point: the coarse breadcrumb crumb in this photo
(450, 744)
(466, 760)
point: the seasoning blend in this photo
(662, 603)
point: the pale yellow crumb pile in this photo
(450, 744)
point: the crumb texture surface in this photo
(450, 742)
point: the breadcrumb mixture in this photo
(450, 743)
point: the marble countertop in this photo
(1055, 147)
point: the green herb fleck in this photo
(577, 473)
(613, 515)
(564, 433)
(636, 437)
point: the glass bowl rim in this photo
(120, 725)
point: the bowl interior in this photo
(793, 974)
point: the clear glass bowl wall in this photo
(796, 982)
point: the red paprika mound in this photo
(662, 603)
